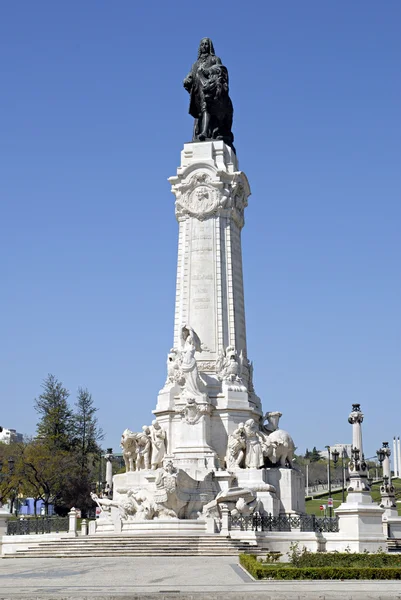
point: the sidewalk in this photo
(148, 578)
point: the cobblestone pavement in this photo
(151, 578)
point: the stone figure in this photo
(239, 501)
(229, 369)
(254, 445)
(129, 447)
(280, 448)
(236, 448)
(168, 497)
(144, 448)
(210, 104)
(137, 505)
(142, 506)
(174, 373)
(158, 439)
(194, 386)
(272, 419)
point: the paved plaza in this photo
(173, 578)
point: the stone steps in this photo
(124, 545)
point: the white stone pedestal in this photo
(4, 516)
(279, 490)
(360, 525)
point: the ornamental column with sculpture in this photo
(211, 195)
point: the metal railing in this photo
(284, 522)
(34, 525)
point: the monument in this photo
(209, 443)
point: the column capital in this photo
(356, 415)
(208, 183)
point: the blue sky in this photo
(93, 118)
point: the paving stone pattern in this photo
(172, 578)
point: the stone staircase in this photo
(394, 545)
(138, 545)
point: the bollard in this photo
(92, 527)
(225, 516)
(72, 522)
(84, 527)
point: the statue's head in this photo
(205, 47)
(156, 424)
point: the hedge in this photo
(286, 571)
(348, 559)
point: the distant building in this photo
(10, 435)
(339, 447)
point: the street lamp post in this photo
(343, 454)
(329, 479)
(335, 455)
(11, 463)
(380, 456)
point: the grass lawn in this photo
(312, 505)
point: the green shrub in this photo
(271, 558)
(345, 559)
(270, 571)
(304, 558)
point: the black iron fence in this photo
(284, 522)
(37, 525)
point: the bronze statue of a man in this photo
(210, 104)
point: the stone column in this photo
(386, 461)
(399, 456)
(109, 468)
(358, 470)
(395, 457)
(211, 196)
(356, 418)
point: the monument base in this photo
(279, 490)
(360, 526)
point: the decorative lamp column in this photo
(335, 454)
(385, 454)
(399, 456)
(109, 457)
(356, 418)
(395, 457)
(360, 519)
(358, 473)
(387, 498)
(358, 469)
(329, 477)
(387, 491)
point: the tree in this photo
(56, 425)
(87, 433)
(314, 455)
(10, 460)
(45, 472)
